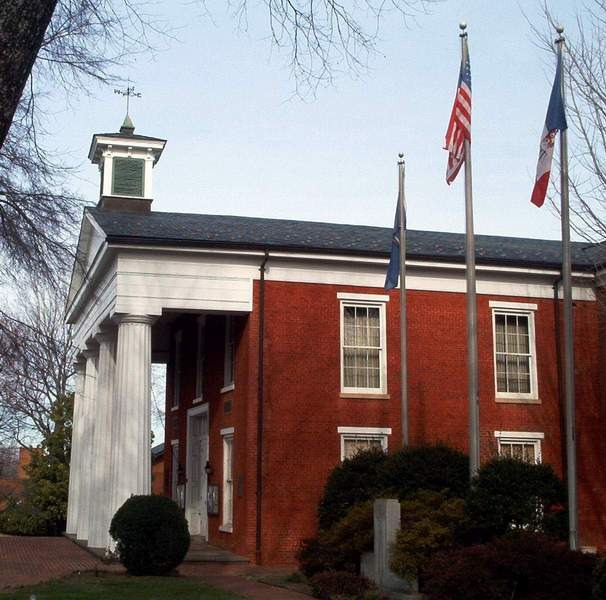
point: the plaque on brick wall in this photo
(227, 406)
(212, 500)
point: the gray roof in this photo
(180, 229)
(157, 451)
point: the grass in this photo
(119, 587)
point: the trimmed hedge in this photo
(151, 535)
(341, 585)
(354, 481)
(510, 494)
(340, 547)
(437, 468)
(431, 522)
(374, 474)
(524, 566)
(599, 580)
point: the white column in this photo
(100, 491)
(131, 456)
(88, 427)
(76, 449)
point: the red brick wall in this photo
(303, 407)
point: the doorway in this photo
(197, 456)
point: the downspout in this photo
(560, 371)
(260, 393)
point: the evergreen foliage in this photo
(510, 494)
(151, 533)
(352, 482)
(523, 566)
(431, 522)
(42, 509)
(436, 468)
(339, 548)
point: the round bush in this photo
(510, 494)
(354, 481)
(151, 535)
(524, 566)
(333, 585)
(431, 522)
(340, 547)
(437, 468)
(599, 580)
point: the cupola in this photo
(126, 161)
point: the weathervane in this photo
(128, 92)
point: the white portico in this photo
(122, 296)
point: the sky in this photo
(241, 143)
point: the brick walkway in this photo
(32, 560)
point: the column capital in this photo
(79, 363)
(131, 318)
(105, 335)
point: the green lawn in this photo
(120, 587)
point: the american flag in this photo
(459, 127)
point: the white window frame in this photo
(229, 354)
(366, 433)
(366, 301)
(521, 437)
(519, 309)
(227, 508)
(177, 370)
(200, 357)
(174, 468)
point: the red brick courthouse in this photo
(282, 353)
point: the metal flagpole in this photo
(571, 459)
(472, 309)
(403, 347)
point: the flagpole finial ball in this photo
(400, 155)
(559, 29)
(462, 26)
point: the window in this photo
(363, 355)
(174, 469)
(357, 439)
(514, 350)
(228, 483)
(128, 176)
(200, 361)
(177, 371)
(522, 445)
(230, 355)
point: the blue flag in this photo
(393, 269)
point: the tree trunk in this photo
(22, 27)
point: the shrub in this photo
(524, 566)
(340, 547)
(354, 481)
(430, 522)
(437, 468)
(151, 535)
(599, 580)
(510, 494)
(337, 585)
(21, 518)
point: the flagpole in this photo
(571, 459)
(403, 319)
(472, 309)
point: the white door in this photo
(197, 479)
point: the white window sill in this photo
(198, 400)
(228, 528)
(518, 398)
(174, 408)
(365, 395)
(227, 388)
